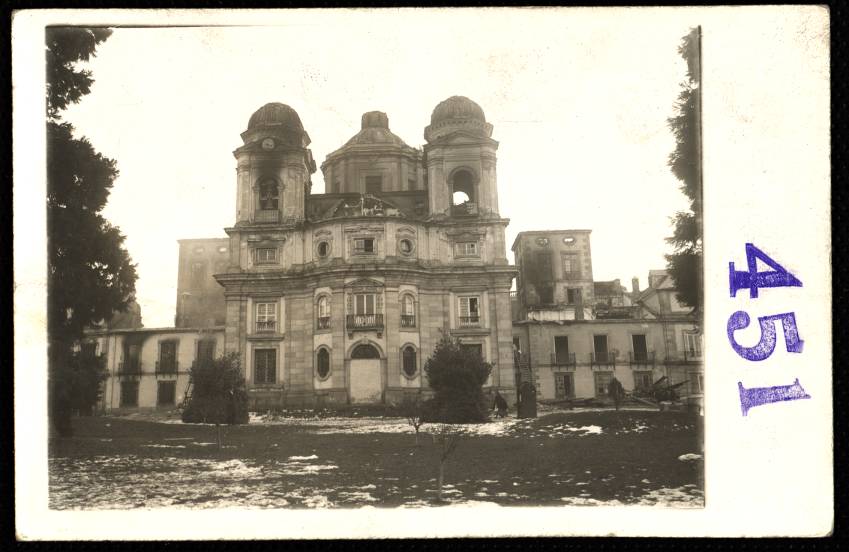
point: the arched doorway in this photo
(365, 374)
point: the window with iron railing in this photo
(408, 312)
(323, 313)
(266, 317)
(167, 363)
(469, 311)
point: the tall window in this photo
(602, 383)
(641, 353)
(561, 349)
(470, 311)
(693, 344)
(600, 348)
(167, 357)
(643, 381)
(573, 296)
(322, 363)
(364, 303)
(166, 393)
(571, 268)
(269, 199)
(364, 246)
(409, 361)
(206, 351)
(408, 312)
(374, 184)
(129, 393)
(323, 311)
(265, 366)
(266, 317)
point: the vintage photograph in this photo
(387, 263)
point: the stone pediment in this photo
(364, 284)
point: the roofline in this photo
(155, 330)
(536, 232)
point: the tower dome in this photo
(457, 107)
(275, 114)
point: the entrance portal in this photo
(365, 375)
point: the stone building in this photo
(200, 300)
(340, 297)
(570, 352)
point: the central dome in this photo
(375, 130)
(275, 114)
(457, 107)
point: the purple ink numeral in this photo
(764, 348)
(754, 279)
(757, 396)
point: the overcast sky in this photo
(579, 104)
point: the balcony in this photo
(267, 216)
(266, 326)
(468, 209)
(566, 360)
(408, 320)
(684, 357)
(129, 368)
(322, 323)
(602, 359)
(470, 321)
(641, 358)
(167, 368)
(364, 322)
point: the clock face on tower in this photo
(268, 144)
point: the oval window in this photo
(323, 249)
(406, 246)
(568, 240)
(322, 367)
(409, 361)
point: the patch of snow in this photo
(645, 481)
(689, 457)
(310, 457)
(358, 496)
(164, 446)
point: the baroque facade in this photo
(339, 298)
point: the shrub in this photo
(218, 394)
(456, 375)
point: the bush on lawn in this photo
(218, 393)
(456, 374)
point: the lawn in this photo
(569, 457)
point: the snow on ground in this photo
(689, 457)
(687, 496)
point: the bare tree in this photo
(446, 438)
(414, 413)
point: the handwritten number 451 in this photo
(754, 280)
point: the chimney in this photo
(635, 285)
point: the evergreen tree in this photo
(218, 395)
(90, 274)
(456, 375)
(685, 263)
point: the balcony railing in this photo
(465, 209)
(364, 321)
(167, 367)
(563, 359)
(603, 359)
(408, 320)
(470, 321)
(266, 326)
(267, 216)
(129, 368)
(641, 358)
(684, 357)
(323, 323)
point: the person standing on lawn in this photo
(616, 391)
(500, 405)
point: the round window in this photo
(323, 249)
(406, 246)
(322, 364)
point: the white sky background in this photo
(579, 105)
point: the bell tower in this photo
(273, 168)
(461, 161)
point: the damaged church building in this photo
(339, 298)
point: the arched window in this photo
(322, 363)
(408, 311)
(364, 351)
(408, 361)
(463, 188)
(269, 195)
(323, 312)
